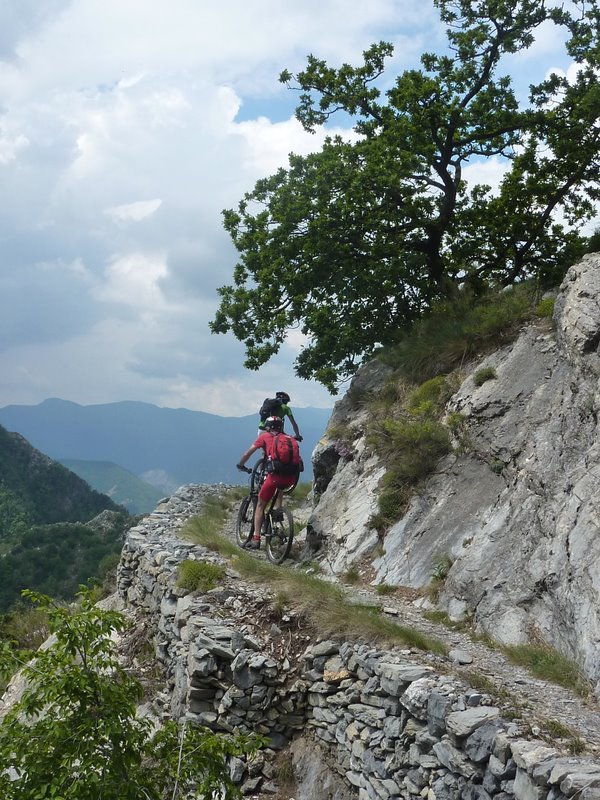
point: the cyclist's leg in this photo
(266, 493)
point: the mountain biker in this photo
(272, 483)
(278, 407)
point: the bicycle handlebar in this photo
(242, 468)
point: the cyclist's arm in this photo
(247, 455)
(294, 425)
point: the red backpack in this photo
(283, 455)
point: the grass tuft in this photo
(199, 575)
(548, 664)
(484, 374)
(458, 329)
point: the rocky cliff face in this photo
(518, 511)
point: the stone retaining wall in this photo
(389, 723)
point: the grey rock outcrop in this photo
(518, 514)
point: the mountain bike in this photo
(278, 525)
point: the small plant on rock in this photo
(484, 374)
(545, 308)
(199, 575)
(441, 568)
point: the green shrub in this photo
(545, 308)
(496, 465)
(351, 576)
(384, 589)
(458, 329)
(416, 446)
(484, 374)
(429, 399)
(440, 569)
(94, 744)
(199, 575)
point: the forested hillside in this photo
(55, 531)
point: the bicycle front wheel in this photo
(244, 527)
(258, 476)
(279, 535)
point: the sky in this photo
(126, 127)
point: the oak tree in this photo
(353, 243)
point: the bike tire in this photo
(279, 537)
(244, 526)
(258, 476)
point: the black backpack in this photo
(271, 407)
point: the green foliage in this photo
(548, 664)
(440, 568)
(356, 242)
(457, 329)
(418, 446)
(385, 589)
(545, 308)
(484, 374)
(25, 626)
(58, 558)
(351, 576)
(497, 466)
(410, 443)
(199, 575)
(429, 399)
(456, 422)
(74, 734)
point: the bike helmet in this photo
(283, 396)
(274, 424)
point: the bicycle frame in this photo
(277, 530)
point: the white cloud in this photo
(133, 280)
(125, 129)
(489, 172)
(134, 212)
(10, 147)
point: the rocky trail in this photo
(555, 714)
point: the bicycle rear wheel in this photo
(279, 535)
(244, 527)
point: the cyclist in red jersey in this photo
(273, 483)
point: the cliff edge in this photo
(515, 511)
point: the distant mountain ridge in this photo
(56, 532)
(165, 446)
(122, 486)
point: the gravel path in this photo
(539, 705)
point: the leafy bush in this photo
(430, 397)
(199, 575)
(440, 569)
(88, 741)
(351, 576)
(484, 374)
